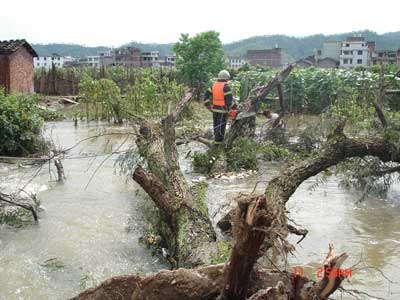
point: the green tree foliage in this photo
(20, 124)
(199, 57)
(147, 95)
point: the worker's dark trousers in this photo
(219, 126)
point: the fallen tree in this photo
(206, 283)
(266, 215)
(184, 224)
(259, 223)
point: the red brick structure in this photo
(128, 57)
(266, 57)
(16, 66)
(398, 57)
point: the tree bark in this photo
(183, 211)
(337, 149)
(246, 126)
(251, 214)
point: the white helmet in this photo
(224, 75)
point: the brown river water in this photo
(88, 234)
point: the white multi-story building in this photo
(48, 61)
(354, 52)
(90, 61)
(236, 63)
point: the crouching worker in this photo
(273, 120)
(218, 99)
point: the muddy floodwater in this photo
(90, 225)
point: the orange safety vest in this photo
(218, 93)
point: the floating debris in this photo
(53, 263)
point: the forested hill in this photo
(298, 47)
(292, 47)
(67, 49)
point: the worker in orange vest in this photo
(219, 100)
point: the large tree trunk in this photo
(206, 283)
(185, 224)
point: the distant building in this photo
(371, 51)
(170, 60)
(92, 61)
(387, 57)
(266, 57)
(47, 62)
(16, 66)
(354, 52)
(150, 59)
(307, 62)
(236, 62)
(329, 49)
(313, 61)
(106, 58)
(398, 57)
(128, 57)
(327, 63)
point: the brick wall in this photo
(129, 57)
(4, 72)
(267, 57)
(398, 57)
(21, 71)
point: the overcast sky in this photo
(114, 22)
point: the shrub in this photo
(243, 155)
(20, 125)
(269, 151)
(202, 162)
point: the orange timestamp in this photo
(325, 272)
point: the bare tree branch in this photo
(8, 199)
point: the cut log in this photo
(69, 101)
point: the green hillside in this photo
(67, 49)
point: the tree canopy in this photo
(199, 57)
